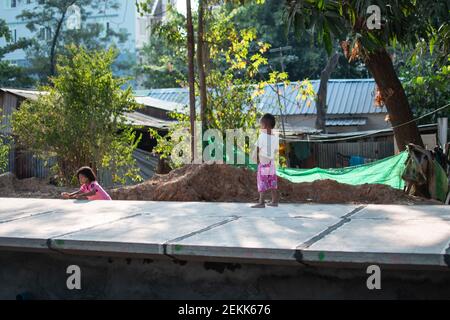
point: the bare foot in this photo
(273, 204)
(259, 205)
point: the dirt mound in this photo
(230, 184)
(10, 186)
(7, 180)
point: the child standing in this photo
(266, 149)
(90, 189)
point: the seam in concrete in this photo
(97, 225)
(298, 217)
(447, 256)
(25, 217)
(215, 225)
(390, 219)
(51, 248)
(344, 219)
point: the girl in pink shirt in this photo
(90, 189)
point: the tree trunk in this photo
(321, 104)
(201, 64)
(55, 40)
(53, 47)
(191, 74)
(380, 65)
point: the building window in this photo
(45, 33)
(13, 35)
(143, 27)
(106, 28)
(13, 3)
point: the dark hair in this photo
(87, 172)
(269, 119)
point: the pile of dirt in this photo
(215, 182)
(10, 186)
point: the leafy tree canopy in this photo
(12, 75)
(81, 119)
(48, 20)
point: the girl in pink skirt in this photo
(266, 149)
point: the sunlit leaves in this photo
(403, 22)
(81, 118)
(4, 149)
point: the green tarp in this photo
(441, 183)
(386, 171)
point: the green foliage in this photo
(164, 62)
(11, 75)
(4, 152)
(233, 74)
(425, 73)
(403, 22)
(52, 15)
(81, 119)
(304, 59)
(165, 144)
(231, 82)
(4, 149)
(236, 58)
(427, 87)
(164, 57)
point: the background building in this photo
(123, 19)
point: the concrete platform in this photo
(176, 250)
(400, 236)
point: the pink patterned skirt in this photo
(266, 177)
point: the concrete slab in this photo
(398, 212)
(305, 233)
(273, 238)
(144, 234)
(31, 228)
(16, 208)
(226, 209)
(388, 234)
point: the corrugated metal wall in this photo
(8, 103)
(327, 153)
(146, 162)
(24, 165)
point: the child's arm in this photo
(67, 195)
(77, 194)
(84, 195)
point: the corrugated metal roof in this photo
(27, 94)
(422, 128)
(135, 117)
(141, 92)
(340, 122)
(158, 103)
(179, 95)
(140, 119)
(344, 96)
